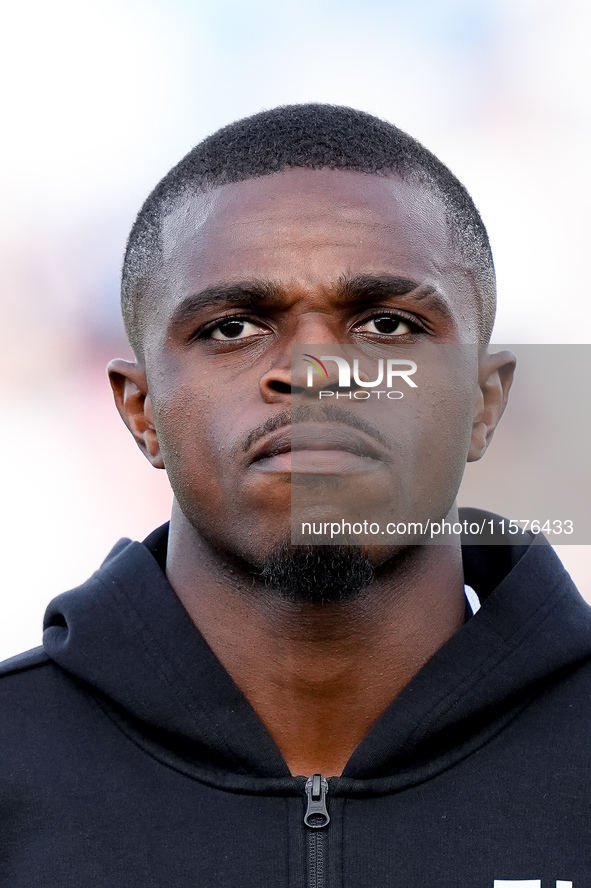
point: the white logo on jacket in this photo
(527, 883)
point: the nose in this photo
(306, 374)
(298, 369)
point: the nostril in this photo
(283, 388)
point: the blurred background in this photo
(99, 100)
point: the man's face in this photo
(302, 257)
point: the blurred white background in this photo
(99, 100)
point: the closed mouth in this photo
(324, 436)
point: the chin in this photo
(317, 574)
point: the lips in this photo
(317, 447)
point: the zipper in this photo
(316, 819)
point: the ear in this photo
(495, 375)
(130, 390)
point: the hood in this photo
(126, 636)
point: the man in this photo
(219, 706)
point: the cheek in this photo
(437, 429)
(446, 436)
(201, 424)
(193, 436)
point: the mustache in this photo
(330, 412)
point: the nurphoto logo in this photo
(386, 373)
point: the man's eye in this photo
(235, 328)
(386, 325)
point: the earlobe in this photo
(130, 390)
(495, 376)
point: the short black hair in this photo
(312, 136)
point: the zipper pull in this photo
(316, 789)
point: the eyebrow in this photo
(380, 286)
(369, 287)
(349, 289)
(247, 294)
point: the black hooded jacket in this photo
(128, 757)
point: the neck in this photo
(319, 675)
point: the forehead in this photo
(306, 229)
